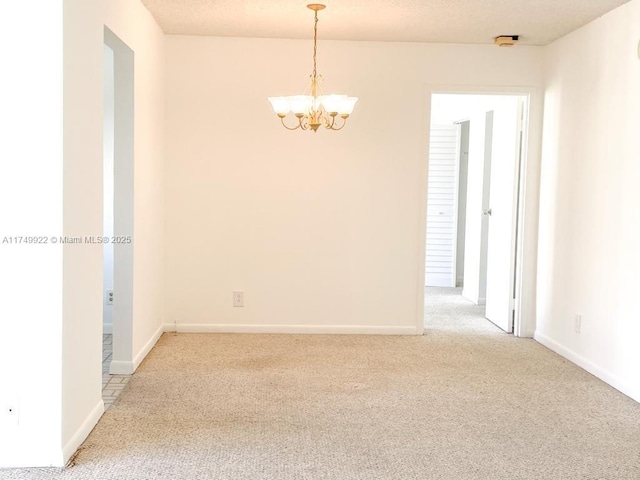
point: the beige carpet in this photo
(447, 405)
(447, 309)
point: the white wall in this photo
(51, 185)
(84, 33)
(322, 231)
(82, 287)
(589, 260)
(456, 107)
(135, 26)
(31, 182)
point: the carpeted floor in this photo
(447, 309)
(453, 404)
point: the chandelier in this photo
(314, 108)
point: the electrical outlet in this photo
(578, 323)
(109, 297)
(238, 298)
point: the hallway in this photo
(446, 309)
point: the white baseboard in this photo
(305, 329)
(527, 333)
(83, 432)
(588, 365)
(473, 299)
(144, 351)
(118, 367)
(107, 328)
(466, 295)
(439, 281)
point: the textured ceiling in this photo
(538, 22)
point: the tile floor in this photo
(112, 385)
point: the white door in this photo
(440, 268)
(502, 211)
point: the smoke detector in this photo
(506, 40)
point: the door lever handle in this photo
(487, 212)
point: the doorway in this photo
(108, 207)
(118, 171)
(473, 207)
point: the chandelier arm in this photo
(290, 128)
(325, 121)
(340, 127)
(329, 123)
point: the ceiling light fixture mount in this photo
(506, 40)
(314, 109)
(316, 7)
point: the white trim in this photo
(83, 432)
(119, 367)
(456, 205)
(467, 296)
(422, 208)
(125, 292)
(306, 329)
(526, 332)
(525, 319)
(589, 366)
(474, 300)
(144, 351)
(107, 328)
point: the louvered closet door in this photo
(441, 206)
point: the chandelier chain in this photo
(315, 45)
(314, 110)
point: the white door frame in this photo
(457, 202)
(124, 91)
(527, 241)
